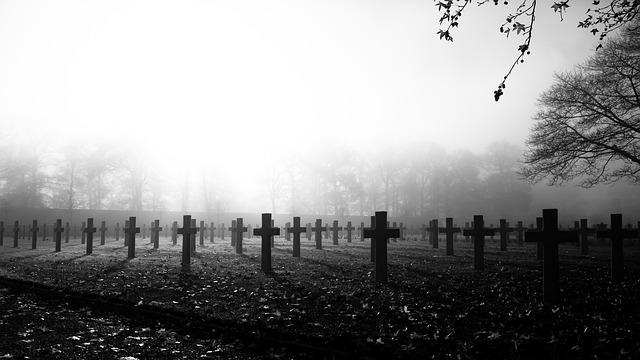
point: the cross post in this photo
(349, 229)
(34, 234)
(16, 233)
(187, 230)
(155, 233)
(336, 231)
(240, 230)
(504, 231)
(58, 230)
(266, 233)
(130, 232)
(477, 236)
(89, 230)
(296, 230)
(450, 231)
(318, 229)
(379, 235)
(103, 232)
(617, 234)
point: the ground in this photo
(325, 304)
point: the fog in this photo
(284, 106)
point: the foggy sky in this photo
(191, 85)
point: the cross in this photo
(166, 230)
(174, 233)
(44, 232)
(402, 229)
(318, 229)
(232, 229)
(617, 234)
(504, 231)
(75, 231)
(336, 231)
(192, 242)
(1, 233)
(550, 237)
(287, 236)
(349, 228)
(151, 237)
(273, 237)
(222, 231)
(34, 234)
(89, 230)
(520, 232)
(58, 230)
(266, 232)
(130, 232)
(584, 236)
(379, 235)
(187, 230)
(84, 234)
(155, 233)
(309, 231)
(423, 230)
(477, 235)
(433, 233)
(249, 231)
(240, 230)
(361, 229)
(539, 246)
(144, 231)
(117, 231)
(125, 234)
(372, 220)
(211, 232)
(203, 229)
(296, 230)
(449, 230)
(103, 231)
(466, 227)
(16, 233)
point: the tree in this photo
(588, 126)
(602, 18)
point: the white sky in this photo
(238, 81)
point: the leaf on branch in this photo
(445, 34)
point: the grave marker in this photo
(1, 233)
(117, 231)
(361, 229)
(192, 242)
(379, 234)
(144, 231)
(155, 233)
(57, 230)
(287, 236)
(174, 233)
(232, 229)
(336, 231)
(550, 237)
(130, 232)
(504, 231)
(308, 232)
(349, 229)
(433, 233)
(477, 236)
(44, 232)
(539, 246)
(240, 230)
(89, 230)
(211, 232)
(296, 230)
(34, 234)
(617, 234)
(203, 229)
(520, 232)
(584, 236)
(222, 231)
(372, 220)
(318, 229)
(83, 233)
(449, 230)
(188, 232)
(424, 229)
(402, 231)
(266, 232)
(16, 233)
(103, 232)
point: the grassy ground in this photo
(433, 306)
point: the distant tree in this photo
(588, 125)
(507, 193)
(602, 18)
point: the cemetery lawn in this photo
(327, 304)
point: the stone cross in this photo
(504, 232)
(402, 231)
(117, 232)
(1, 233)
(211, 232)
(174, 233)
(83, 237)
(296, 230)
(318, 229)
(166, 230)
(232, 229)
(361, 229)
(89, 230)
(57, 231)
(155, 233)
(273, 244)
(287, 236)
(188, 232)
(125, 234)
(24, 231)
(203, 229)
(550, 237)
(75, 232)
(433, 233)
(222, 231)
(372, 246)
(449, 230)
(326, 232)
(349, 229)
(240, 230)
(466, 227)
(192, 242)
(34, 234)
(130, 232)
(584, 232)
(423, 231)
(379, 234)
(617, 234)
(103, 232)
(266, 232)
(336, 231)
(144, 231)
(308, 232)
(16, 233)
(44, 232)
(520, 232)
(539, 246)
(477, 235)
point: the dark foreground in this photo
(325, 304)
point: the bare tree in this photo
(588, 126)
